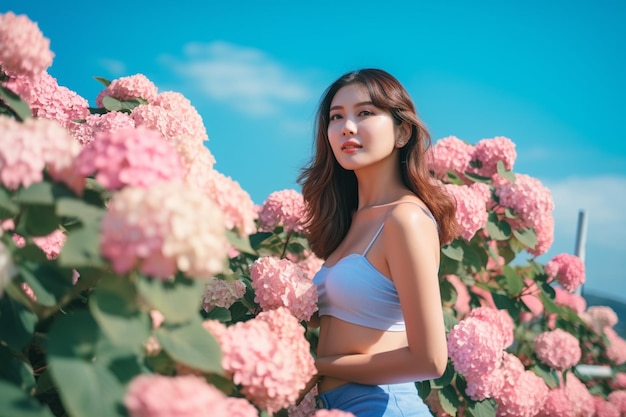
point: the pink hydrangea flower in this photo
(599, 317)
(481, 387)
(95, 123)
(132, 156)
(235, 202)
(604, 408)
(532, 203)
(311, 264)
(568, 270)
(307, 406)
(239, 407)
(282, 208)
(449, 154)
(24, 48)
(487, 153)
(152, 395)
(48, 100)
(498, 318)
(558, 349)
(51, 244)
(264, 365)
(222, 293)
(619, 381)
(475, 346)
(616, 350)
(129, 88)
(570, 398)
(172, 115)
(196, 158)
(523, 393)
(568, 299)
(618, 399)
(27, 148)
(471, 213)
(162, 229)
(281, 283)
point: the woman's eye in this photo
(365, 113)
(335, 116)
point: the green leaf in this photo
(453, 251)
(49, 284)
(504, 173)
(445, 379)
(498, 229)
(258, 238)
(18, 322)
(8, 208)
(87, 213)
(423, 389)
(221, 314)
(242, 244)
(82, 248)
(179, 300)
(453, 178)
(192, 345)
(550, 376)
(15, 370)
(514, 283)
(87, 388)
(527, 237)
(18, 106)
(549, 305)
(113, 304)
(43, 193)
(504, 302)
(38, 220)
(477, 178)
(448, 399)
(104, 81)
(113, 104)
(15, 402)
(74, 336)
(485, 408)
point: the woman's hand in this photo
(309, 386)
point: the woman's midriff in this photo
(338, 337)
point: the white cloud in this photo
(244, 78)
(603, 200)
(114, 67)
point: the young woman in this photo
(378, 220)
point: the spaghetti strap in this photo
(373, 239)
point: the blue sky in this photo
(548, 75)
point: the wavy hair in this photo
(330, 191)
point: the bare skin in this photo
(365, 139)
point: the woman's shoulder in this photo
(409, 213)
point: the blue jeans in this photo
(394, 400)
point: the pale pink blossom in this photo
(530, 298)
(569, 299)
(311, 264)
(618, 399)
(153, 395)
(281, 283)
(239, 407)
(137, 157)
(481, 387)
(196, 158)
(619, 381)
(24, 48)
(523, 393)
(162, 229)
(136, 86)
(222, 293)
(95, 123)
(449, 154)
(475, 346)
(570, 398)
(604, 408)
(487, 153)
(616, 349)
(48, 100)
(471, 213)
(51, 244)
(568, 270)
(236, 204)
(282, 208)
(264, 365)
(307, 406)
(533, 205)
(172, 115)
(599, 317)
(498, 318)
(27, 148)
(558, 349)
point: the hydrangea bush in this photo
(136, 280)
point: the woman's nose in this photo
(349, 128)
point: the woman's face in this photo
(359, 133)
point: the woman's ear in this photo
(403, 134)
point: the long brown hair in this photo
(330, 191)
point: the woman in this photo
(377, 219)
